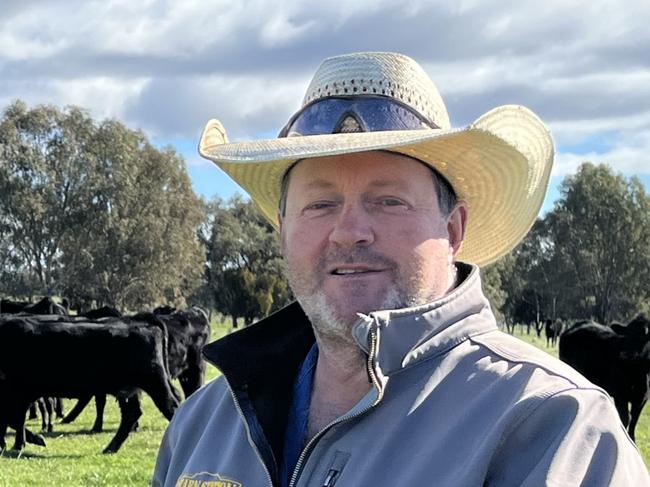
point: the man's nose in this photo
(353, 227)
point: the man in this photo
(391, 370)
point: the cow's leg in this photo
(33, 438)
(130, 411)
(45, 408)
(21, 412)
(33, 414)
(100, 405)
(58, 407)
(136, 425)
(49, 409)
(40, 402)
(77, 409)
(164, 394)
(637, 407)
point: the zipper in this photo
(248, 433)
(375, 382)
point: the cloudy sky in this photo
(167, 67)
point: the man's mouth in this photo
(344, 271)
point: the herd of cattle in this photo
(46, 353)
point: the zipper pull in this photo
(331, 478)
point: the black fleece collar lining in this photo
(281, 340)
(261, 362)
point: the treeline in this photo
(589, 257)
(94, 212)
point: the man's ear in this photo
(456, 225)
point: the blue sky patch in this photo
(597, 143)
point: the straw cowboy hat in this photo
(500, 164)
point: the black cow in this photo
(8, 306)
(188, 332)
(69, 358)
(619, 362)
(12, 307)
(553, 330)
(46, 306)
(164, 309)
(103, 312)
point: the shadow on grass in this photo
(82, 432)
(61, 434)
(20, 455)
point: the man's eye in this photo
(319, 205)
(391, 205)
(392, 202)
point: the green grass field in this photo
(73, 456)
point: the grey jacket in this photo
(455, 402)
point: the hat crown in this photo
(379, 74)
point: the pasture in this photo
(73, 455)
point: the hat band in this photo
(366, 113)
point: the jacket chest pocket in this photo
(334, 469)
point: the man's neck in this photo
(340, 381)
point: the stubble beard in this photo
(408, 289)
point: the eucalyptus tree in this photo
(138, 243)
(94, 211)
(244, 268)
(601, 229)
(44, 181)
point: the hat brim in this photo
(500, 165)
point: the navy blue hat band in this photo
(354, 114)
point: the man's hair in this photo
(447, 197)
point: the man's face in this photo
(364, 232)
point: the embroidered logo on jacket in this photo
(206, 479)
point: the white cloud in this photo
(281, 31)
(629, 154)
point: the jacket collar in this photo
(409, 335)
